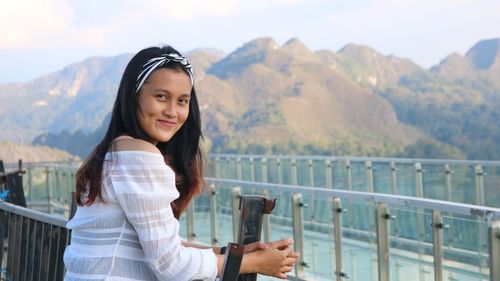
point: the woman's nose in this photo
(170, 109)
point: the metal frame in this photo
(383, 255)
(337, 232)
(374, 159)
(213, 215)
(235, 204)
(393, 200)
(494, 246)
(298, 233)
(437, 237)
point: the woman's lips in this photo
(167, 124)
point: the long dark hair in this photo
(182, 152)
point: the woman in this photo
(135, 184)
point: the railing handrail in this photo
(487, 213)
(357, 158)
(33, 214)
(63, 164)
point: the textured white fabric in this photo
(133, 235)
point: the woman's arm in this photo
(216, 249)
(275, 259)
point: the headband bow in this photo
(157, 62)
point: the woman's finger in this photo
(294, 255)
(289, 261)
(286, 269)
(259, 245)
(281, 244)
(282, 275)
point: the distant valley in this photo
(267, 98)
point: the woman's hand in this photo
(276, 259)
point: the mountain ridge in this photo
(264, 96)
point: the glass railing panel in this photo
(463, 184)
(286, 170)
(318, 244)
(405, 179)
(37, 194)
(358, 174)
(434, 181)
(492, 186)
(304, 173)
(183, 226)
(465, 249)
(247, 170)
(382, 177)
(257, 164)
(339, 172)
(228, 167)
(209, 164)
(411, 244)
(202, 218)
(224, 217)
(273, 170)
(359, 240)
(319, 173)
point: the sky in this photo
(38, 37)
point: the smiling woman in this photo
(164, 104)
(137, 181)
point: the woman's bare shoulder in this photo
(132, 144)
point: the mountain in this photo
(456, 102)
(265, 97)
(76, 98)
(368, 67)
(12, 152)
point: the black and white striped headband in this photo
(157, 62)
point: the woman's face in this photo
(164, 104)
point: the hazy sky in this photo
(38, 37)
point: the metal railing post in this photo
(265, 220)
(328, 174)
(437, 237)
(69, 182)
(293, 164)
(394, 179)
(382, 222)
(30, 184)
(348, 174)
(213, 215)
(239, 169)
(190, 221)
(419, 193)
(298, 233)
(479, 185)
(369, 176)
(311, 172)
(235, 203)
(49, 192)
(419, 188)
(264, 169)
(447, 172)
(337, 234)
(280, 174)
(494, 249)
(252, 170)
(217, 167)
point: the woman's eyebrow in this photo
(160, 90)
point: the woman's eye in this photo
(161, 97)
(184, 101)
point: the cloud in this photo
(195, 9)
(23, 20)
(192, 9)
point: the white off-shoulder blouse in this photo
(134, 235)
